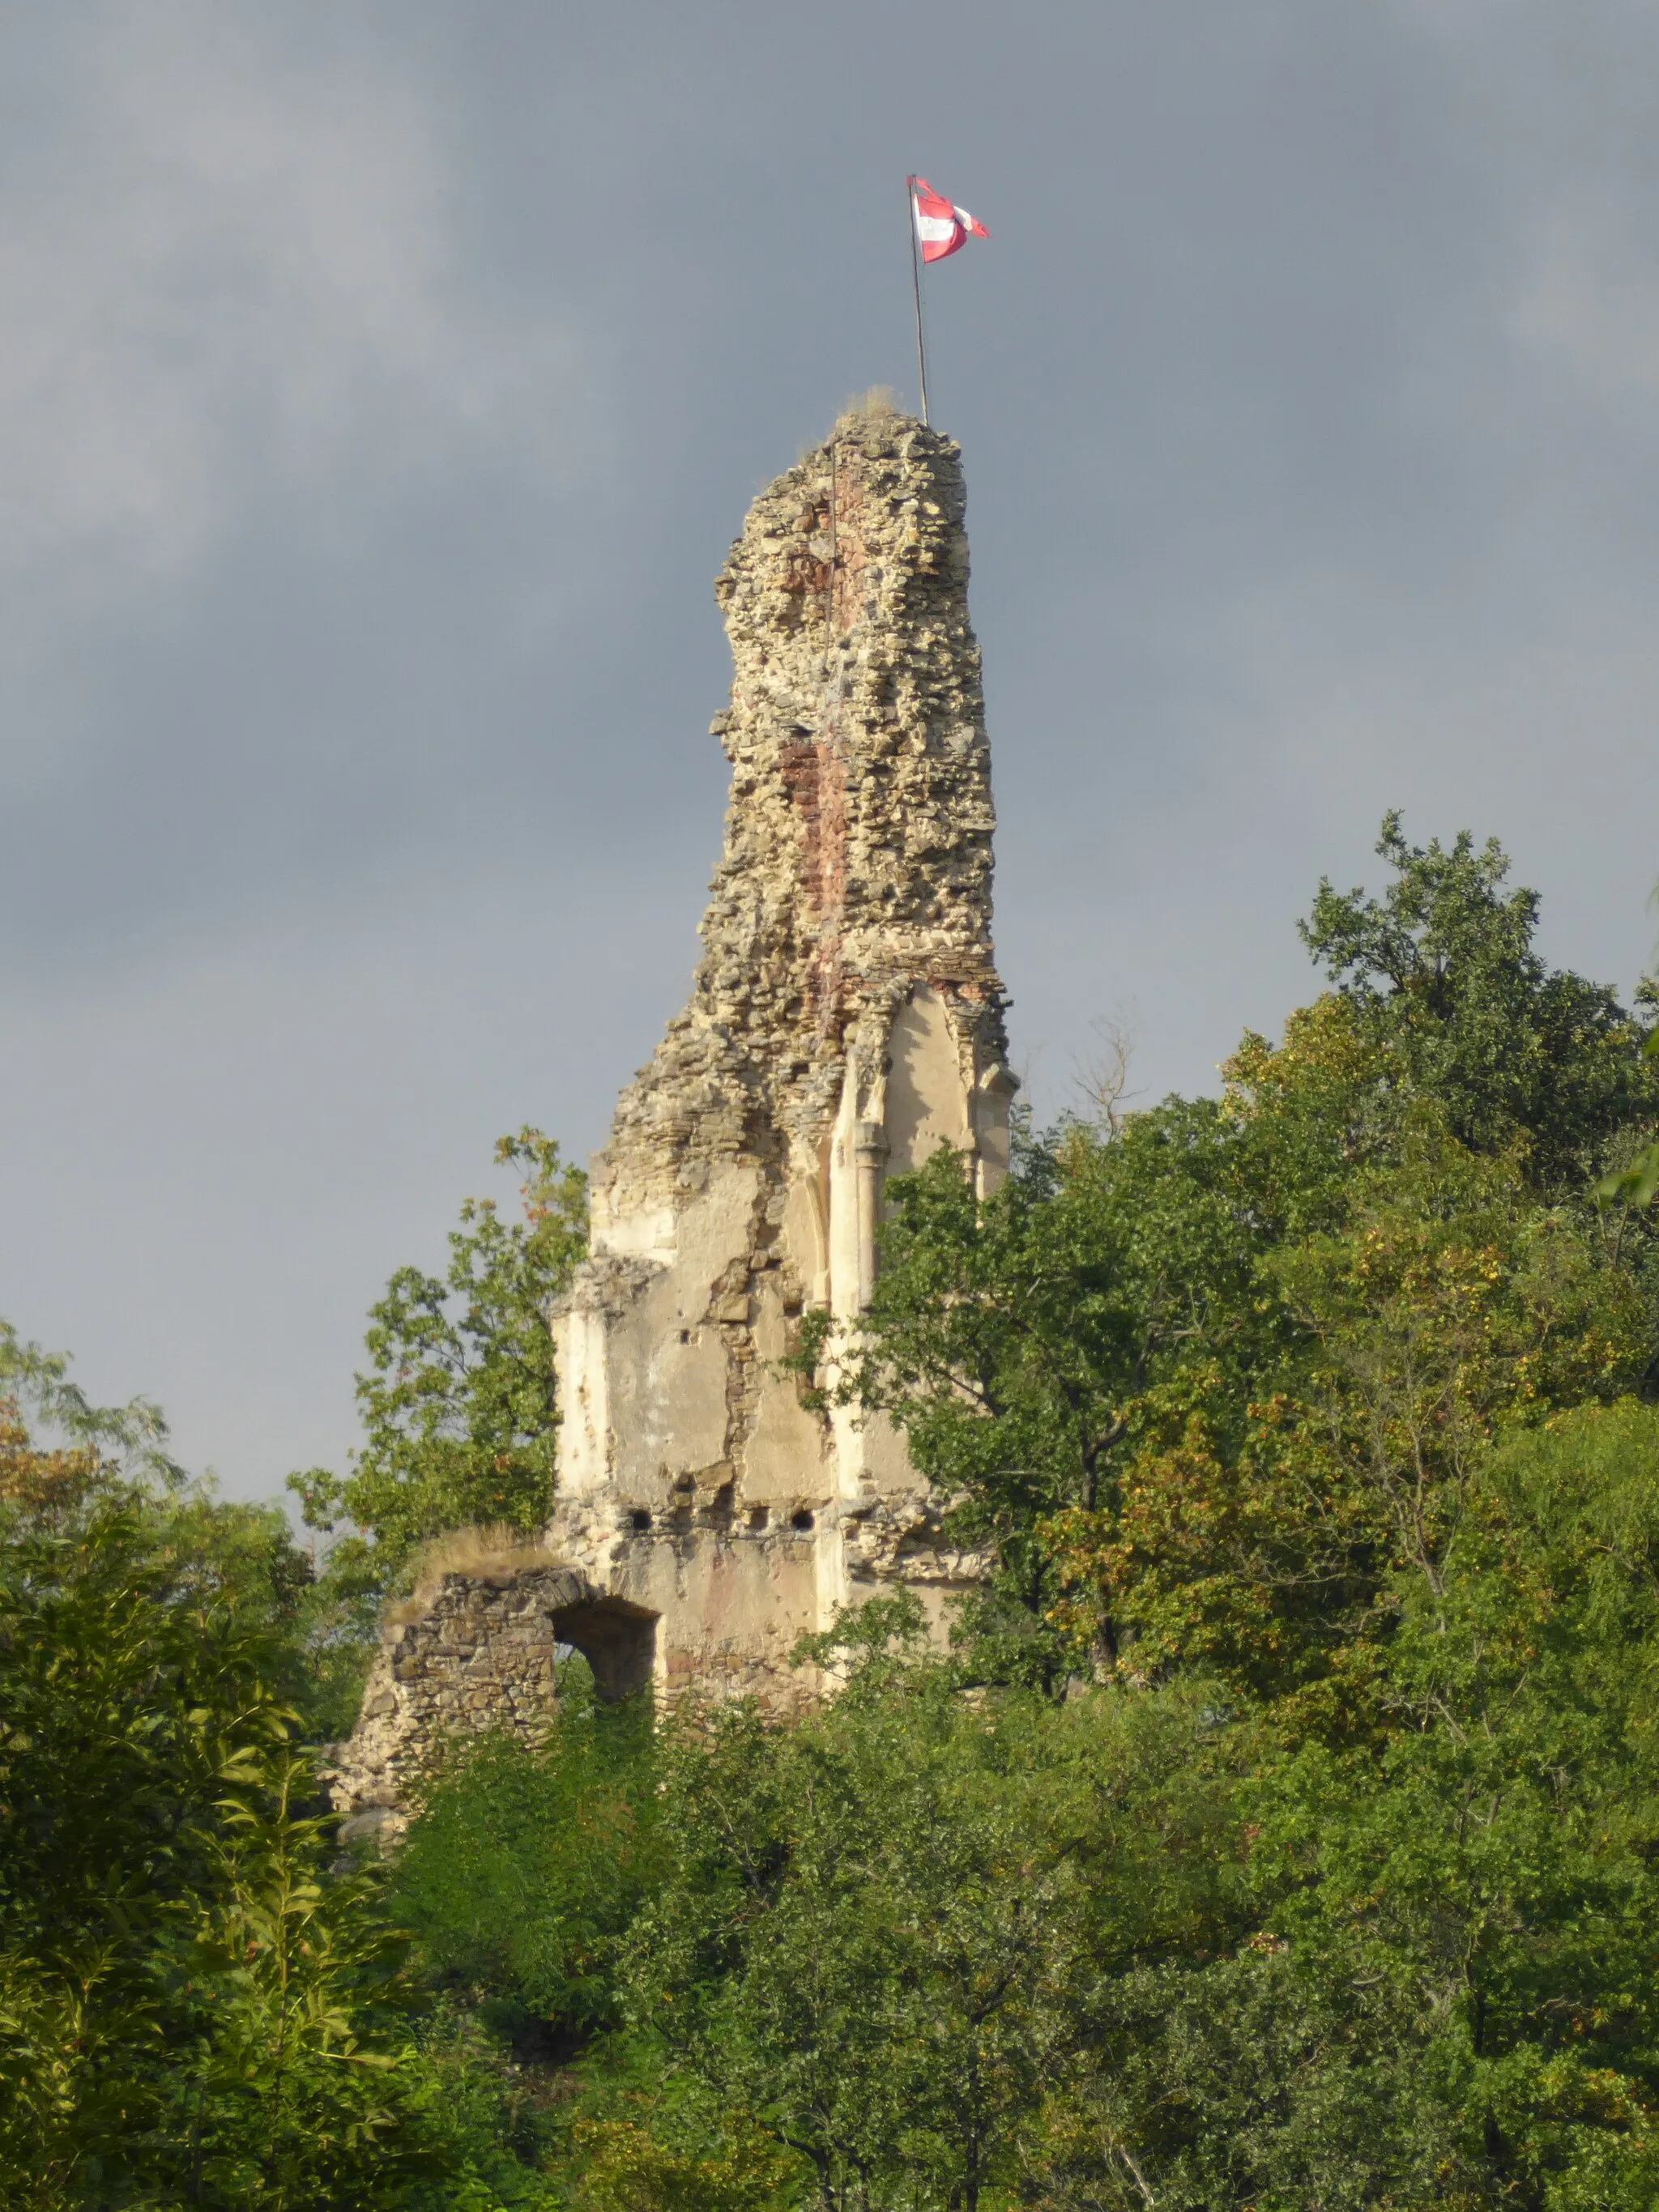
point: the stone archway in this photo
(617, 1640)
(478, 1651)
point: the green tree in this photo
(92, 1446)
(1179, 1373)
(1444, 975)
(851, 1936)
(196, 2008)
(1442, 1986)
(133, 1687)
(236, 1554)
(460, 1408)
(1451, 1310)
(620, 2164)
(1014, 1341)
(290, 2084)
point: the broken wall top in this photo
(857, 860)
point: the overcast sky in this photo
(381, 386)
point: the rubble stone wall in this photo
(478, 1651)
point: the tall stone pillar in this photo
(845, 1021)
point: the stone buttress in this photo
(846, 1020)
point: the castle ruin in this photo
(846, 1020)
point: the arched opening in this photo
(617, 1640)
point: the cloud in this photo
(382, 386)
(226, 257)
(1590, 304)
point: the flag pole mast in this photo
(915, 287)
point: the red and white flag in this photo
(942, 227)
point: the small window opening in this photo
(759, 1516)
(638, 1521)
(802, 1520)
(685, 1336)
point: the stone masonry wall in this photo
(845, 1020)
(479, 1654)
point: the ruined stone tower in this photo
(845, 1021)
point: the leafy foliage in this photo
(621, 2166)
(528, 1866)
(1443, 976)
(194, 2007)
(1206, 1375)
(850, 1937)
(460, 1408)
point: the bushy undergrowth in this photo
(525, 1870)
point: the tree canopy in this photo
(459, 1406)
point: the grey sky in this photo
(382, 384)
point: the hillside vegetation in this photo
(1281, 1832)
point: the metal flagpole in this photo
(915, 286)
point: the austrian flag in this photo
(941, 227)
